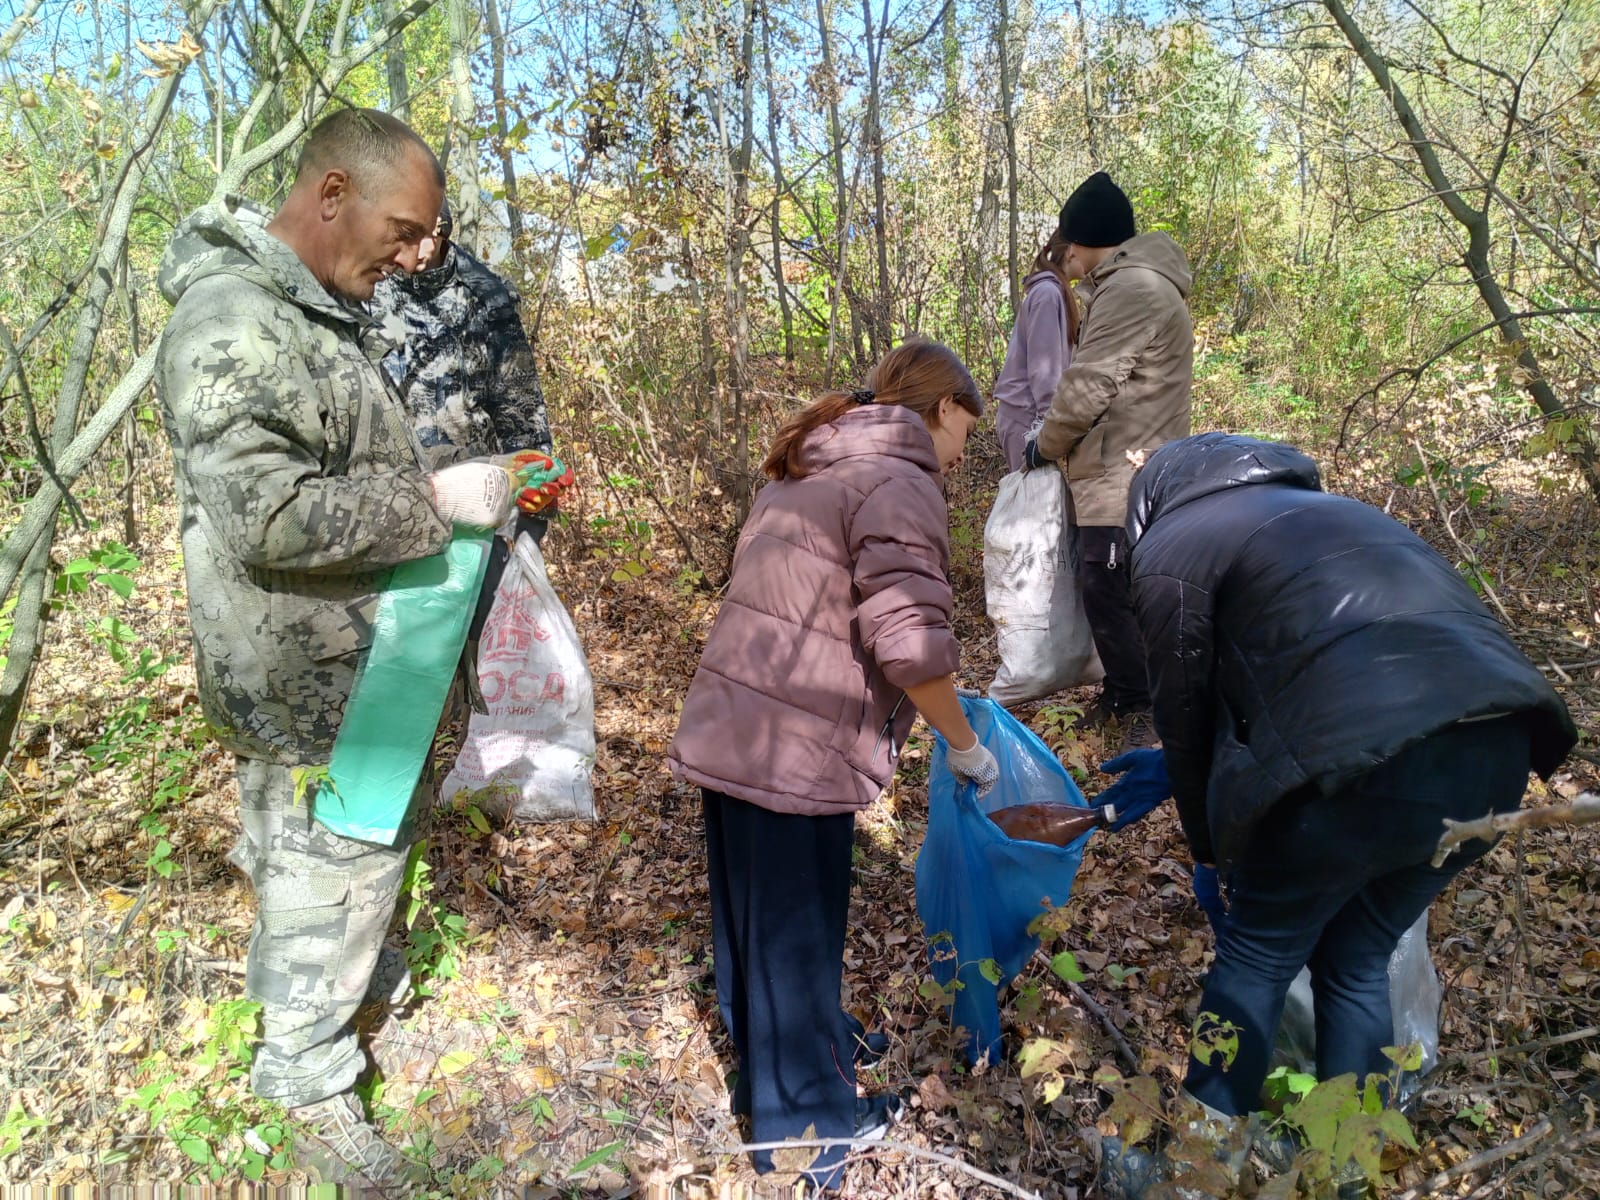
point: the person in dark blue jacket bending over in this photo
(1327, 690)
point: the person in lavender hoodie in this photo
(1040, 349)
(833, 635)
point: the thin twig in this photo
(1577, 1035)
(1478, 1161)
(1124, 1051)
(882, 1147)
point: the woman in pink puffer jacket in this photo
(837, 615)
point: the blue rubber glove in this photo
(1031, 458)
(1143, 785)
(1208, 895)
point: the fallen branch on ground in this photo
(1585, 810)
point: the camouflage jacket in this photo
(465, 369)
(298, 481)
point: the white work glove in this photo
(479, 494)
(973, 765)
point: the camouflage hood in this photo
(231, 238)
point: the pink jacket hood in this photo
(839, 599)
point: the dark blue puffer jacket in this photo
(1296, 638)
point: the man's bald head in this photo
(372, 147)
(367, 192)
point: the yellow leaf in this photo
(136, 995)
(456, 1061)
(117, 902)
(487, 990)
(544, 1077)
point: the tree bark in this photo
(508, 168)
(33, 561)
(1008, 123)
(879, 326)
(784, 315)
(841, 204)
(1581, 448)
(394, 67)
(463, 22)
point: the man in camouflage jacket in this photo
(465, 370)
(300, 487)
(464, 366)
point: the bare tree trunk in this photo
(1008, 97)
(775, 154)
(24, 558)
(736, 238)
(841, 204)
(28, 620)
(508, 168)
(1581, 447)
(394, 67)
(18, 27)
(463, 22)
(879, 326)
(1088, 87)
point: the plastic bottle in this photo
(1053, 824)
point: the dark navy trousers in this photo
(780, 899)
(1331, 883)
(1107, 587)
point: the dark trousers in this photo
(1331, 883)
(780, 898)
(1108, 603)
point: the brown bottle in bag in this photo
(1053, 824)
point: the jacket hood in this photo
(1192, 467)
(231, 238)
(428, 284)
(867, 430)
(1153, 251)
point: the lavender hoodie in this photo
(1038, 353)
(839, 599)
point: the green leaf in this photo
(588, 1161)
(1065, 966)
(990, 970)
(479, 821)
(118, 583)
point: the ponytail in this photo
(1052, 258)
(916, 374)
(783, 460)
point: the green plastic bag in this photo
(394, 709)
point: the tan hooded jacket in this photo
(1128, 386)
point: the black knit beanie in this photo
(1097, 214)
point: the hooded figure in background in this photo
(1328, 690)
(1125, 393)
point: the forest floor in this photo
(571, 1044)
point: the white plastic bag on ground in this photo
(1414, 995)
(531, 756)
(1032, 596)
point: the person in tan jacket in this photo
(1125, 394)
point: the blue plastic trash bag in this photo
(394, 708)
(977, 890)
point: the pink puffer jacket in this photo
(840, 598)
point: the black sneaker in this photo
(876, 1115)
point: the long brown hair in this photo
(1052, 257)
(916, 374)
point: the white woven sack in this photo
(1032, 596)
(531, 756)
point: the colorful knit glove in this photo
(543, 479)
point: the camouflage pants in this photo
(323, 905)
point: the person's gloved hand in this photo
(1031, 458)
(1208, 895)
(967, 693)
(974, 765)
(1143, 786)
(543, 478)
(479, 494)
